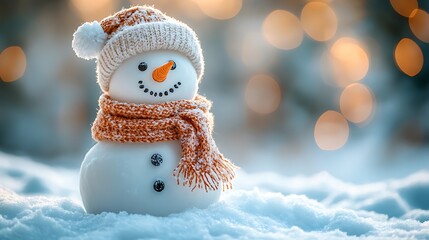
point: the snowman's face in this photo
(154, 77)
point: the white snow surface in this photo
(42, 202)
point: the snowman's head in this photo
(143, 55)
(154, 77)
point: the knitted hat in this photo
(134, 31)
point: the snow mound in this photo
(24, 176)
(262, 206)
(240, 214)
(394, 198)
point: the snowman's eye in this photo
(142, 66)
(174, 65)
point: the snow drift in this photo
(263, 206)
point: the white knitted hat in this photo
(130, 32)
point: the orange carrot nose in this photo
(160, 73)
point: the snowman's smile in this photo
(157, 93)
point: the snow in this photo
(42, 202)
(393, 198)
(28, 177)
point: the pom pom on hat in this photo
(88, 40)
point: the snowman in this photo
(154, 152)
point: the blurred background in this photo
(298, 86)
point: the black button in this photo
(158, 185)
(156, 159)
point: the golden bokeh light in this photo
(331, 131)
(404, 7)
(94, 9)
(187, 8)
(12, 64)
(409, 57)
(263, 94)
(419, 24)
(283, 30)
(220, 9)
(357, 103)
(349, 61)
(319, 21)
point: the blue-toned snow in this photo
(262, 206)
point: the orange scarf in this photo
(201, 164)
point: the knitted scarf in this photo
(201, 164)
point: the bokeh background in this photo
(298, 86)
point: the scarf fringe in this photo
(220, 171)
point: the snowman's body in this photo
(138, 177)
(122, 177)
